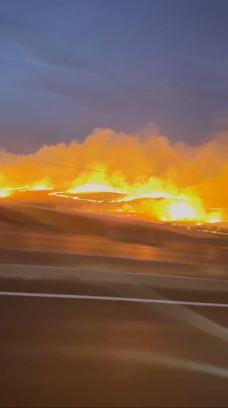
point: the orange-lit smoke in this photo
(148, 173)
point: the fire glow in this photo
(147, 176)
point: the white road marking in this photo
(113, 299)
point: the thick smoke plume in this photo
(146, 163)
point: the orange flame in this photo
(147, 175)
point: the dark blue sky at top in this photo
(67, 67)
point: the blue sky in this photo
(67, 67)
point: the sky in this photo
(67, 67)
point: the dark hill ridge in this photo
(36, 218)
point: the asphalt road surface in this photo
(97, 312)
(79, 337)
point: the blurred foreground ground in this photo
(100, 351)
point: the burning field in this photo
(144, 176)
(117, 200)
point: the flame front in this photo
(149, 176)
(5, 192)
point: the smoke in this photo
(125, 161)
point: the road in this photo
(79, 337)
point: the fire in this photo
(37, 187)
(5, 192)
(214, 218)
(148, 176)
(94, 188)
(182, 211)
(10, 191)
